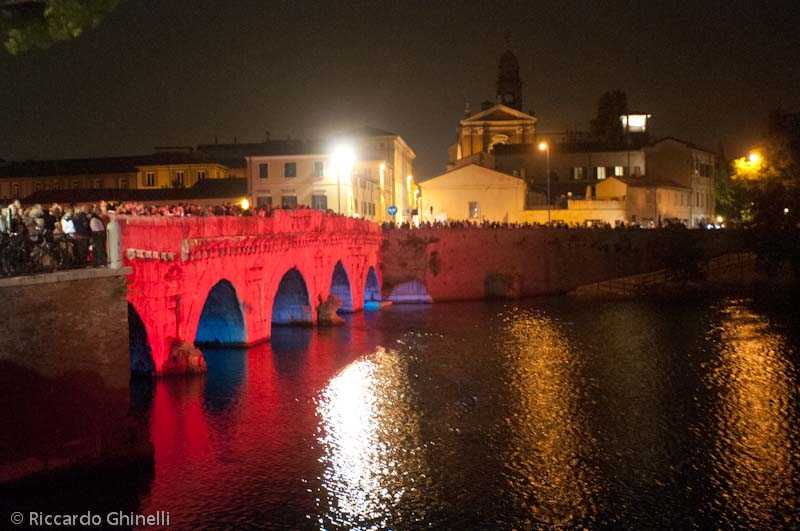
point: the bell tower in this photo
(509, 84)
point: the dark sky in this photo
(163, 73)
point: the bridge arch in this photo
(411, 291)
(292, 304)
(221, 320)
(372, 290)
(341, 289)
(139, 344)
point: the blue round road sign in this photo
(392, 210)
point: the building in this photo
(691, 167)
(167, 169)
(568, 176)
(362, 173)
(472, 192)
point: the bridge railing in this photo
(160, 234)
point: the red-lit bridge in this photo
(227, 280)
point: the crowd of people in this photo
(39, 238)
(486, 224)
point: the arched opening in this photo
(221, 321)
(291, 304)
(340, 288)
(410, 292)
(141, 355)
(372, 291)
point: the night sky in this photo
(160, 73)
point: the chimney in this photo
(235, 140)
(266, 136)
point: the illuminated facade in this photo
(374, 173)
(20, 179)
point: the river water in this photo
(541, 413)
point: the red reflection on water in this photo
(254, 409)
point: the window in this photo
(319, 169)
(15, 190)
(319, 202)
(201, 175)
(474, 210)
(263, 170)
(97, 184)
(290, 169)
(579, 173)
(697, 198)
(150, 178)
(601, 173)
(76, 185)
(619, 171)
(289, 201)
(637, 170)
(264, 201)
(37, 186)
(180, 178)
(123, 183)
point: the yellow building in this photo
(174, 170)
(19, 179)
(472, 192)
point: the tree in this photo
(607, 126)
(30, 24)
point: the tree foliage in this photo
(606, 125)
(38, 24)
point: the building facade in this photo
(20, 179)
(362, 174)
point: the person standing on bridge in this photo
(83, 234)
(98, 239)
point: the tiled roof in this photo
(369, 131)
(207, 189)
(270, 148)
(102, 165)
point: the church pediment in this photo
(498, 113)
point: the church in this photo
(501, 122)
(502, 168)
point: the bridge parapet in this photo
(159, 234)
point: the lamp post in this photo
(544, 146)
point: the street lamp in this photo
(544, 146)
(754, 157)
(343, 157)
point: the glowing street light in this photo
(343, 158)
(786, 210)
(754, 158)
(544, 146)
(245, 204)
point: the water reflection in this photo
(754, 462)
(548, 467)
(542, 414)
(372, 454)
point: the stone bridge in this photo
(228, 280)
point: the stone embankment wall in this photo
(472, 263)
(64, 373)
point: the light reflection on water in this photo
(536, 414)
(754, 460)
(547, 465)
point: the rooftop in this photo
(207, 189)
